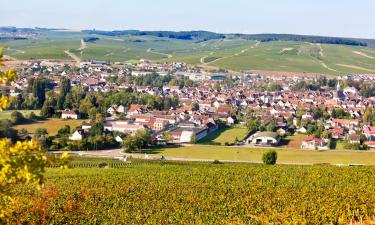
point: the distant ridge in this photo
(201, 35)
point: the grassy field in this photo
(223, 136)
(6, 113)
(52, 125)
(255, 154)
(159, 192)
(235, 54)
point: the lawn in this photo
(52, 125)
(223, 136)
(6, 114)
(255, 154)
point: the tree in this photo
(271, 127)
(193, 138)
(141, 139)
(40, 132)
(65, 131)
(253, 124)
(270, 158)
(47, 110)
(22, 163)
(195, 106)
(167, 136)
(17, 117)
(39, 91)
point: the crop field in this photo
(159, 192)
(234, 54)
(288, 156)
(225, 136)
(52, 125)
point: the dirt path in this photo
(356, 67)
(73, 56)
(83, 46)
(159, 53)
(236, 54)
(321, 55)
(363, 54)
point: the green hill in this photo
(235, 52)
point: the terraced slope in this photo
(234, 54)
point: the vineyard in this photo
(109, 191)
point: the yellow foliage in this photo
(22, 163)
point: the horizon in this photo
(334, 19)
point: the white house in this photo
(313, 143)
(77, 135)
(264, 139)
(69, 114)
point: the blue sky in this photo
(346, 18)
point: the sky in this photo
(344, 18)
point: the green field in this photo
(235, 54)
(4, 115)
(52, 125)
(223, 136)
(159, 192)
(255, 155)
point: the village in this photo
(272, 108)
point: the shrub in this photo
(216, 162)
(103, 165)
(270, 158)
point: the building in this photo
(313, 143)
(128, 127)
(69, 114)
(264, 139)
(184, 135)
(369, 132)
(77, 135)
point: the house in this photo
(264, 139)
(354, 139)
(77, 135)
(346, 123)
(69, 114)
(370, 144)
(313, 143)
(337, 132)
(136, 109)
(128, 127)
(121, 109)
(184, 134)
(231, 120)
(369, 132)
(302, 130)
(111, 110)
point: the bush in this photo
(270, 158)
(216, 162)
(17, 117)
(103, 165)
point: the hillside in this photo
(294, 53)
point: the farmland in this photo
(52, 125)
(156, 192)
(230, 53)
